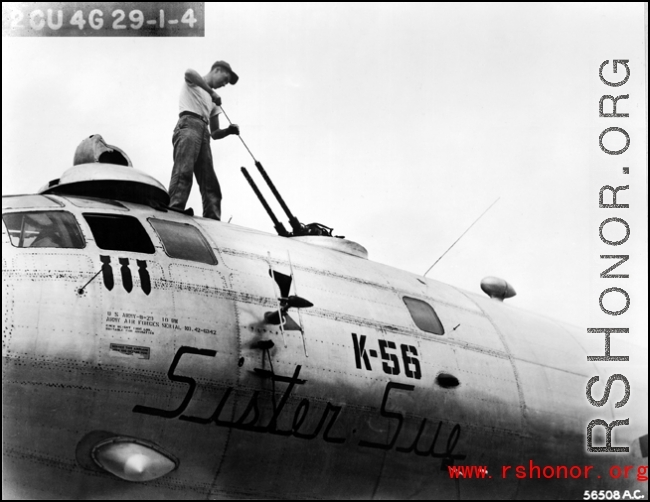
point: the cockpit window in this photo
(424, 316)
(29, 202)
(119, 233)
(43, 229)
(183, 241)
(96, 203)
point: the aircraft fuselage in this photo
(167, 339)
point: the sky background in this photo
(396, 124)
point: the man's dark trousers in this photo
(192, 155)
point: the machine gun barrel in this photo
(279, 227)
(295, 224)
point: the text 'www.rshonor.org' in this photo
(534, 471)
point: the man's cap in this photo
(225, 65)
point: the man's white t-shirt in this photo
(196, 100)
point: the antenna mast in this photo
(461, 236)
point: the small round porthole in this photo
(447, 381)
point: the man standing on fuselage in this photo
(199, 107)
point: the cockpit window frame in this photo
(209, 257)
(26, 202)
(74, 235)
(424, 316)
(86, 203)
(133, 247)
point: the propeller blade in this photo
(298, 302)
(283, 281)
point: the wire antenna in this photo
(461, 236)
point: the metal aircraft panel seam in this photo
(208, 384)
(550, 367)
(213, 385)
(347, 278)
(134, 374)
(594, 367)
(592, 364)
(175, 484)
(515, 372)
(147, 376)
(233, 295)
(511, 358)
(13, 355)
(355, 320)
(8, 307)
(27, 454)
(222, 458)
(317, 271)
(293, 399)
(171, 285)
(161, 379)
(168, 284)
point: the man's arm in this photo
(193, 77)
(217, 133)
